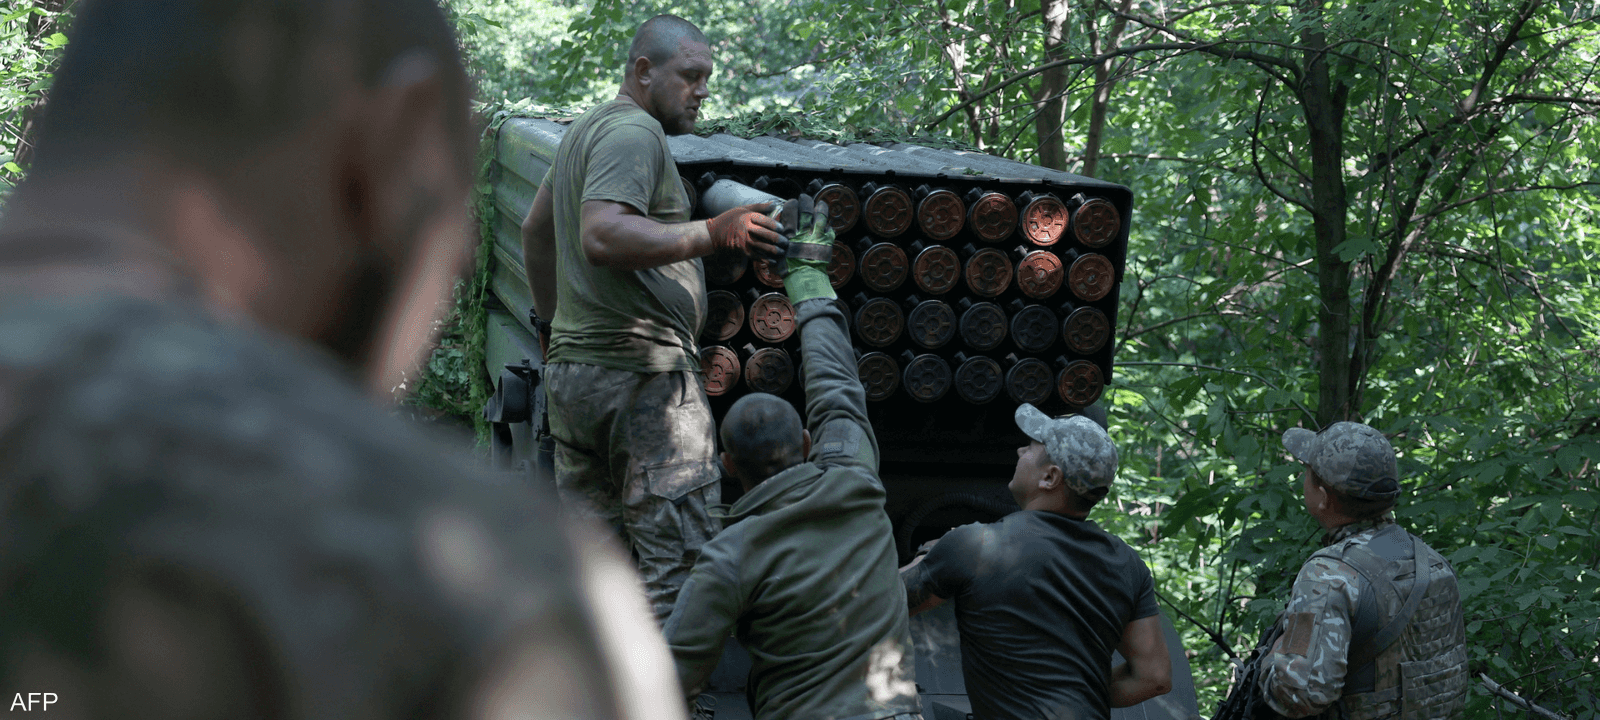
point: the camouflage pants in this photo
(636, 451)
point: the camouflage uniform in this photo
(1422, 675)
(636, 451)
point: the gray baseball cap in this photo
(1350, 457)
(1076, 444)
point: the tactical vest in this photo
(1408, 655)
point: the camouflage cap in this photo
(1076, 444)
(1350, 457)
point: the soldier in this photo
(806, 577)
(242, 214)
(615, 265)
(1374, 627)
(1044, 596)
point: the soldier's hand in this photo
(748, 229)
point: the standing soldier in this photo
(1374, 628)
(1044, 596)
(628, 410)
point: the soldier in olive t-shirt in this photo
(609, 233)
(642, 321)
(628, 410)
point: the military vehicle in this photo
(972, 283)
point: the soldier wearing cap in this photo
(1374, 627)
(1044, 595)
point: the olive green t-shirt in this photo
(636, 320)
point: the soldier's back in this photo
(200, 521)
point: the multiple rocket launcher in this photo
(971, 282)
(986, 294)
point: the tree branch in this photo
(1517, 700)
(1213, 368)
(1035, 70)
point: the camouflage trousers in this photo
(636, 451)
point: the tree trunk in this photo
(1052, 83)
(1103, 83)
(1324, 105)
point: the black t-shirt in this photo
(1041, 602)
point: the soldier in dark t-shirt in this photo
(243, 218)
(1044, 596)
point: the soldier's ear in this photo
(1051, 479)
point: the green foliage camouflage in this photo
(1477, 347)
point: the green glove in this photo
(810, 251)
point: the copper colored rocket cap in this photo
(1044, 220)
(843, 207)
(1029, 381)
(988, 272)
(765, 274)
(932, 324)
(1091, 276)
(883, 267)
(725, 268)
(842, 267)
(772, 317)
(1086, 330)
(927, 378)
(879, 322)
(724, 316)
(936, 269)
(888, 212)
(993, 217)
(1096, 223)
(1039, 274)
(1034, 328)
(721, 367)
(983, 326)
(941, 215)
(1080, 383)
(769, 370)
(880, 375)
(978, 380)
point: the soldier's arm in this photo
(539, 252)
(621, 237)
(616, 231)
(705, 612)
(836, 404)
(1304, 673)
(1148, 670)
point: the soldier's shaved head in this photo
(660, 38)
(762, 436)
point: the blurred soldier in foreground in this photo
(1374, 628)
(615, 265)
(242, 212)
(806, 576)
(1044, 596)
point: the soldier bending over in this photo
(806, 578)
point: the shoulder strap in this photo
(1364, 652)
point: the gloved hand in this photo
(748, 229)
(809, 254)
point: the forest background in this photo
(1379, 210)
